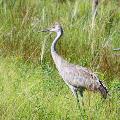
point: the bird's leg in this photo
(81, 94)
(74, 91)
(81, 90)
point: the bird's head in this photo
(55, 28)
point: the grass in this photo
(32, 92)
(30, 87)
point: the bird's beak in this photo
(46, 30)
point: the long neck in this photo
(58, 60)
(53, 46)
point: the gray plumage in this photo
(78, 78)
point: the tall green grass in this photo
(21, 21)
(30, 86)
(29, 92)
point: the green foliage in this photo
(20, 36)
(30, 92)
(30, 87)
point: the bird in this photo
(78, 78)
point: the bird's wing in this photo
(79, 76)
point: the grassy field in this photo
(30, 87)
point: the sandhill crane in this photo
(78, 78)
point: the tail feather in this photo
(103, 90)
